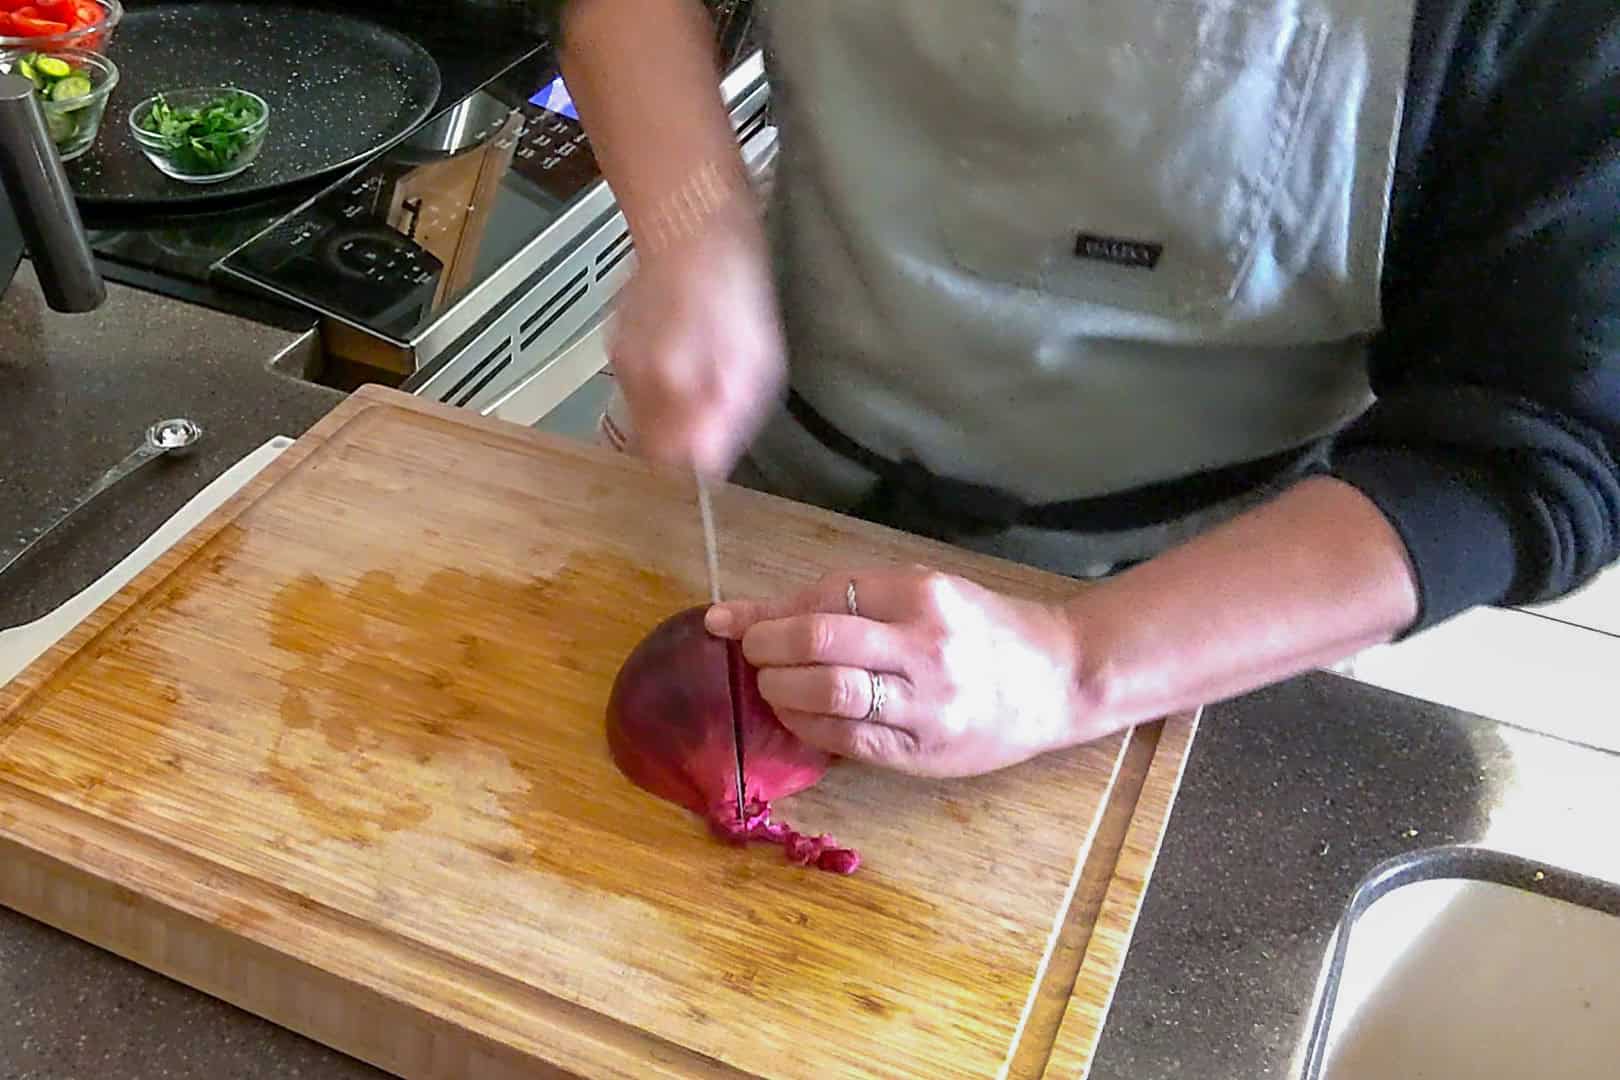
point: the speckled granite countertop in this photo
(1290, 795)
(77, 393)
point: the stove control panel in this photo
(409, 235)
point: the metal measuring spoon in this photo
(164, 437)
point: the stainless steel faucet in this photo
(43, 203)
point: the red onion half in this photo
(669, 730)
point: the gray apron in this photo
(1073, 247)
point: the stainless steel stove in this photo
(459, 270)
(456, 265)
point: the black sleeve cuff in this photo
(1458, 534)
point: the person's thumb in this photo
(734, 618)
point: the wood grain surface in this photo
(1134, 851)
(338, 757)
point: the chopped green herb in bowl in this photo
(201, 135)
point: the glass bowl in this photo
(190, 153)
(94, 37)
(73, 122)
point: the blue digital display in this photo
(556, 98)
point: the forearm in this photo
(644, 77)
(1302, 581)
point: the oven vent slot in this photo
(754, 124)
(614, 254)
(478, 387)
(489, 367)
(557, 314)
(551, 302)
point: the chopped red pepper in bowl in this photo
(50, 25)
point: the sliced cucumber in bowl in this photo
(62, 126)
(72, 87)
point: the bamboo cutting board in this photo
(338, 757)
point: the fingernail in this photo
(719, 621)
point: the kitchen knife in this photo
(711, 548)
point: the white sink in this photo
(1465, 963)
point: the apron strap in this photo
(911, 497)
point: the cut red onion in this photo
(821, 851)
(669, 729)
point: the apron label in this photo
(1113, 249)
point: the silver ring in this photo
(878, 696)
(849, 599)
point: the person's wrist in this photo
(1095, 709)
(727, 246)
(715, 203)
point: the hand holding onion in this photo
(971, 680)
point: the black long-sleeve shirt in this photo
(1494, 440)
(1493, 443)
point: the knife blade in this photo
(711, 550)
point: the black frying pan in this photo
(340, 89)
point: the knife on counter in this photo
(711, 549)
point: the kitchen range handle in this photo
(43, 203)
